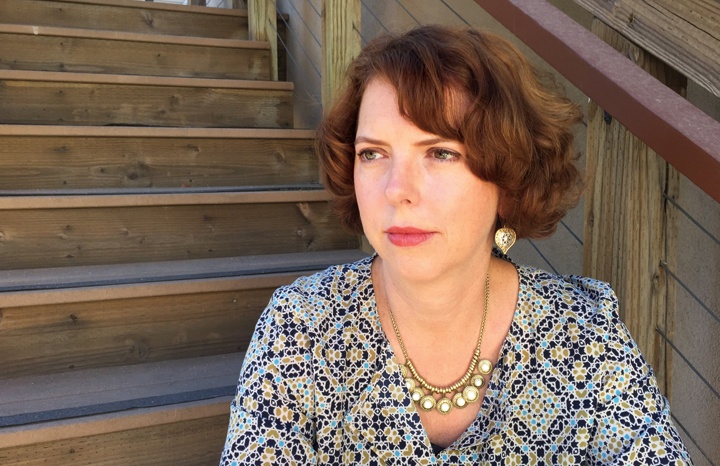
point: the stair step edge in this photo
(31, 287)
(162, 6)
(52, 397)
(75, 192)
(154, 132)
(137, 80)
(99, 34)
(100, 424)
(25, 202)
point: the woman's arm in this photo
(271, 418)
(632, 422)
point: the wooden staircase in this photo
(152, 196)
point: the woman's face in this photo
(422, 209)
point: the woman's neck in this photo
(448, 302)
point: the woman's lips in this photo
(407, 236)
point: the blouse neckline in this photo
(480, 429)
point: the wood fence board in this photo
(65, 237)
(684, 34)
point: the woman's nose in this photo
(403, 183)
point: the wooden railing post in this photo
(262, 24)
(628, 230)
(341, 43)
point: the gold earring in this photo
(505, 238)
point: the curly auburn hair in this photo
(517, 129)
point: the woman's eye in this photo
(369, 155)
(444, 154)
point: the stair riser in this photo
(63, 337)
(72, 54)
(113, 235)
(119, 18)
(82, 162)
(195, 442)
(59, 103)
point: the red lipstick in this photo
(407, 236)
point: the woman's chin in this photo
(415, 264)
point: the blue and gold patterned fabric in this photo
(320, 384)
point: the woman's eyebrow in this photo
(367, 140)
(432, 141)
(424, 142)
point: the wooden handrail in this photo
(677, 130)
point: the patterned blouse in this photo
(320, 384)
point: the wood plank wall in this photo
(628, 232)
(683, 33)
(262, 26)
(341, 43)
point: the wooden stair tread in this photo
(65, 158)
(40, 193)
(59, 231)
(154, 132)
(180, 196)
(41, 398)
(188, 433)
(163, 6)
(16, 284)
(90, 293)
(95, 78)
(50, 31)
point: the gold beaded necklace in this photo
(466, 390)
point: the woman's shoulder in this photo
(572, 292)
(334, 279)
(568, 308)
(575, 312)
(326, 293)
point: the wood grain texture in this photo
(262, 26)
(47, 200)
(684, 34)
(35, 287)
(50, 52)
(113, 422)
(56, 338)
(152, 5)
(28, 162)
(626, 227)
(149, 132)
(195, 442)
(341, 43)
(65, 237)
(146, 19)
(122, 386)
(51, 102)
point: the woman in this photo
(438, 349)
